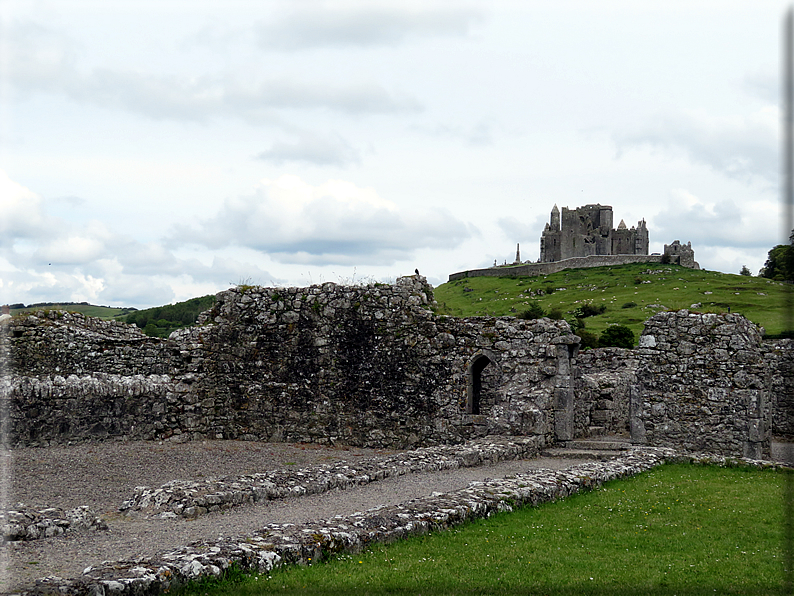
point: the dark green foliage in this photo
(779, 263)
(618, 336)
(589, 339)
(589, 310)
(629, 305)
(162, 320)
(555, 313)
(665, 259)
(745, 271)
(535, 311)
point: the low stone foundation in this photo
(276, 545)
(192, 499)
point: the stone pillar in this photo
(566, 348)
(636, 424)
(756, 447)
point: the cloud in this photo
(319, 150)
(763, 85)
(319, 26)
(42, 61)
(23, 215)
(739, 147)
(333, 223)
(45, 258)
(477, 135)
(753, 224)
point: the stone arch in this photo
(474, 380)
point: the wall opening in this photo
(479, 385)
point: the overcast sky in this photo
(156, 151)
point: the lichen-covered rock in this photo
(26, 523)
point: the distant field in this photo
(102, 312)
(652, 287)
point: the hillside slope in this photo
(630, 293)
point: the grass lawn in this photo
(650, 287)
(677, 529)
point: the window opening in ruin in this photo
(475, 383)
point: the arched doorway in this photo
(480, 387)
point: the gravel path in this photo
(103, 475)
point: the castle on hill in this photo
(585, 237)
(588, 230)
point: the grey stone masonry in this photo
(778, 356)
(195, 498)
(702, 385)
(604, 378)
(364, 365)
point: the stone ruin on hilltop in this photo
(585, 237)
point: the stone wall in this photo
(366, 366)
(602, 390)
(702, 384)
(374, 366)
(534, 269)
(778, 357)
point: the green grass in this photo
(90, 310)
(672, 287)
(677, 529)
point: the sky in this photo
(151, 152)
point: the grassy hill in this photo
(90, 310)
(630, 293)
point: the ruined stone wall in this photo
(357, 365)
(778, 355)
(602, 388)
(702, 385)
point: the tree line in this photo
(780, 262)
(162, 320)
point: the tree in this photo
(745, 271)
(535, 311)
(618, 336)
(779, 263)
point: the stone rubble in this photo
(276, 545)
(26, 523)
(194, 498)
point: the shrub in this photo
(590, 310)
(555, 313)
(576, 325)
(629, 305)
(535, 311)
(589, 339)
(665, 259)
(618, 336)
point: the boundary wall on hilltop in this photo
(532, 269)
(373, 366)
